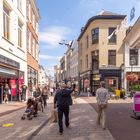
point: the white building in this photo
(74, 62)
(42, 79)
(132, 56)
(13, 54)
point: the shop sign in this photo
(96, 77)
(9, 62)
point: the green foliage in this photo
(135, 87)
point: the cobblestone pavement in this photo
(83, 126)
(119, 120)
(10, 107)
(22, 129)
(82, 119)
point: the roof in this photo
(104, 15)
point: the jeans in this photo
(45, 100)
(61, 111)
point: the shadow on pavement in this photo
(120, 123)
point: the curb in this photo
(11, 111)
(38, 129)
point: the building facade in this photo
(74, 63)
(100, 51)
(63, 68)
(13, 56)
(32, 43)
(42, 77)
(57, 75)
(132, 57)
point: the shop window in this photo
(6, 22)
(112, 57)
(95, 35)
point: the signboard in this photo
(8, 61)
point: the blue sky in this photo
(63, 19)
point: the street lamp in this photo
(64, 42)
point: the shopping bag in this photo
(54, 116)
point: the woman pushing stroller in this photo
(33, 104)
(38, 99)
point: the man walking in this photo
(102, 100)
(62, 101)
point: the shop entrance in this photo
(12, 83)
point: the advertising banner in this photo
(13, 87)
(137, 102)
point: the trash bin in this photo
(118, 93)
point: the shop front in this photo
(84, 81)
(9, 74)
(95, 78)
(133, 81)
(32, 80)
(112, 78)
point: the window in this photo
(112, 57)
(20, 34)
(133, 59)
(87, 61)
(36, 27)
(33, 47)
(28, 41)
(113, 37)
(87, 41)
(95, 35)
(37, 51)
(27, 9)
(80, 48)
(81, 65)
(19, 5)
(6, 23)
(33, 20)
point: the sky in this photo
(62, 20)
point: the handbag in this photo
(54, 114)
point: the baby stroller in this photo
(30, 110)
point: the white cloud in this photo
(49, 57)
(53, 35)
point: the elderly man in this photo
(62, 101)
(102, 101)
